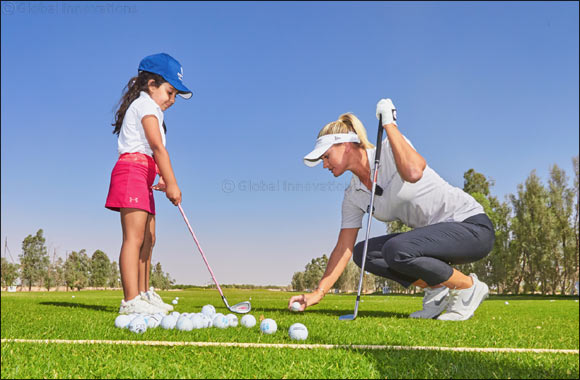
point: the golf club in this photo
(240, 308)
(350, 317)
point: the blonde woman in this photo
(449, 226)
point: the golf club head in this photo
(241, 308)
(347, 317)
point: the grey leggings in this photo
(426, 253)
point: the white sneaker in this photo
(434, 303)
(139, 306)
(155, 299)
(464, 302)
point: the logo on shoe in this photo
(437, 303)
(469, 300)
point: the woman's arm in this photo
(410, 164)
(336, 263)
(153, 135)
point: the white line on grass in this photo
(296, 346)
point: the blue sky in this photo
(490, 86)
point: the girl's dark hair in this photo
(131, 92)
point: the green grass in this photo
(527, 322)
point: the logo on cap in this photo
(180, 74)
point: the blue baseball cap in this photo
(169, 68)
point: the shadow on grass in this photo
(338, 313)
(464, 365)
(75, 305)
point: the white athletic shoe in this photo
(434, 303)
(155, 299)
(464, 302)
(139, 306)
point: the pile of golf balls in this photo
(208, 317)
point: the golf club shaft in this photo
(202, 255)
(371, 206)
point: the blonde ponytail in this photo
(347, 122)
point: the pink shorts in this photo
(131, 182)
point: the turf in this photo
(526, 322)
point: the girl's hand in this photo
(173, 193)
(305, 300)
(160, 185)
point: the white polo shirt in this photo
(132, 135)
(428, 201)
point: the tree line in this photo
(77, 271)
(536, 240)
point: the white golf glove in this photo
(386, 108)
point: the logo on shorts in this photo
(131, 200)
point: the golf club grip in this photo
(379, 139)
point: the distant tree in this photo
(49, 279)
(397, 227)
(561, 206)
(100, 269)
(9, 273)
(314, 271)
(77, 268)
(534, 235)
(576, 218)
(298, 281)
(114, 276)
(347, 282)
(475, 182)
(34, 259)
(160, 280)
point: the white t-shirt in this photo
(428, 201)
(132, 135)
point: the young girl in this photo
(142, 155)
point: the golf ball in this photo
(208, 310)
(184, 324)
(175, 314)
(220, 321)
(207, 320)
(268, 326)
(177, 298)
(197, 321)
(168, 322)
(248, 321)
(122, 321)
(232, 320)
(174, 302)
(298, 332)
(153, 321)
(138, 325)
(295, 306)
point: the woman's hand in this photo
(306, 300)
(160, 185)
(173, 193)
(386, 108)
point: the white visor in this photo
(324, 143)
